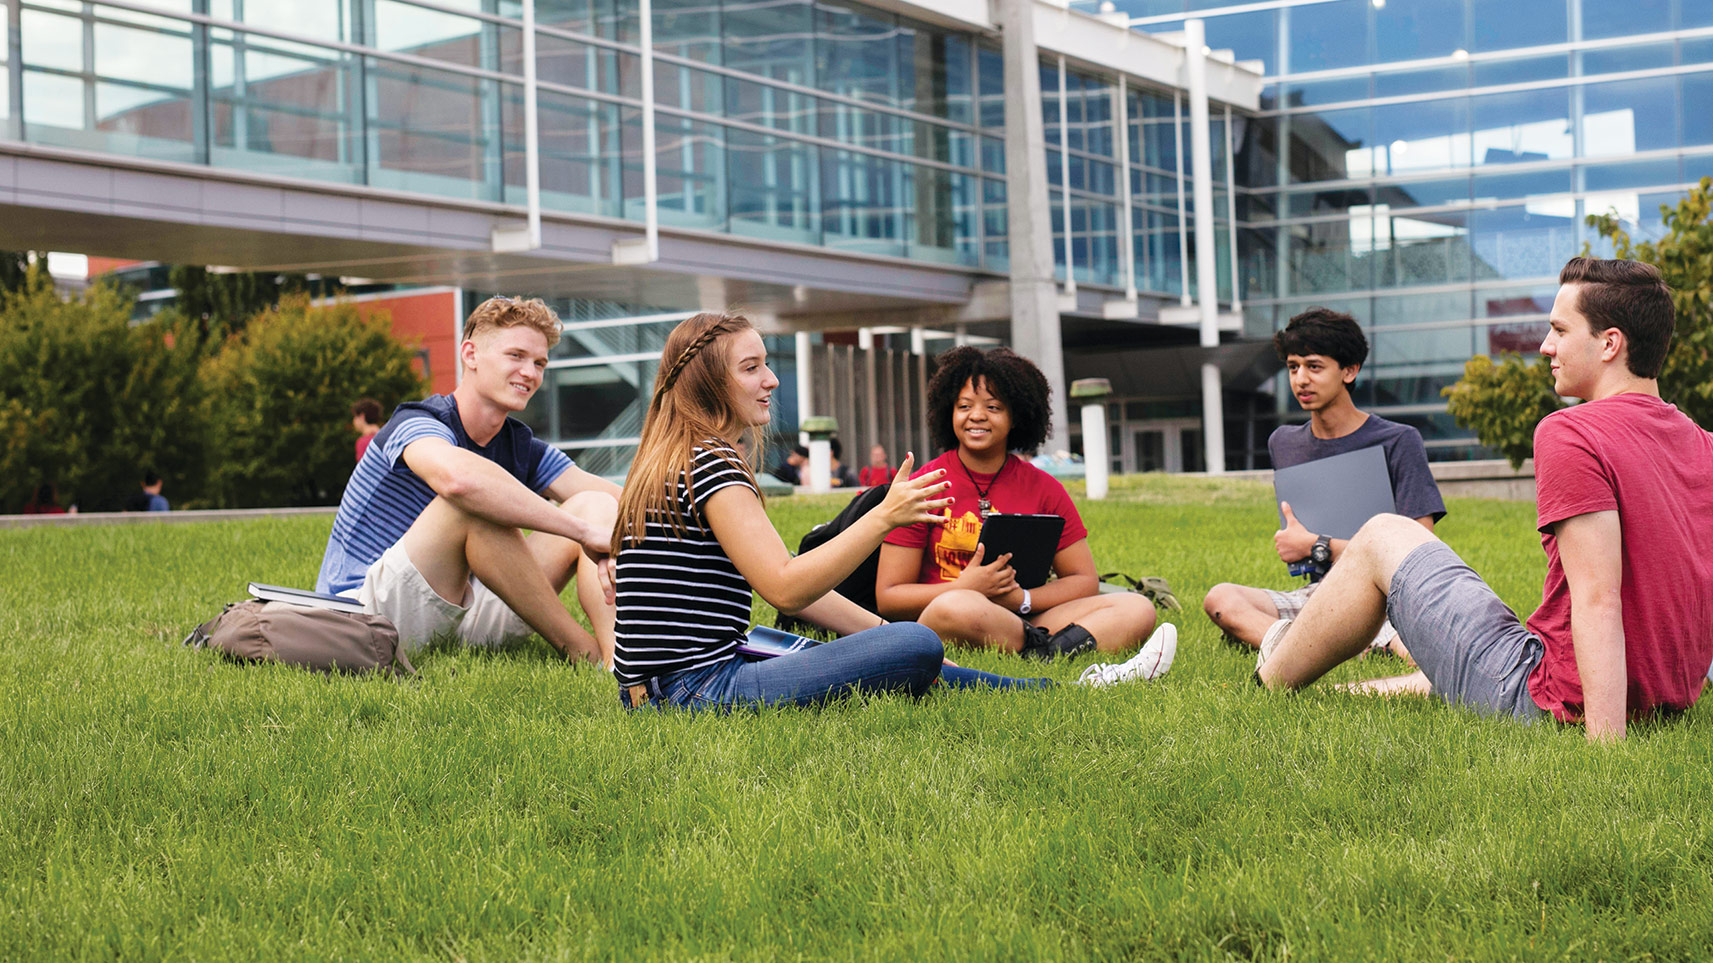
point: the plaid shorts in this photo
(1290, 605)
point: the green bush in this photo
(1503, 402)
(89, 402)
(279, 402)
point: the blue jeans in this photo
(900, 657)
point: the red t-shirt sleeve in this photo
(1569, 478)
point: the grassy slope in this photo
(160, 802)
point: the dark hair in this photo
(1630, 296)
(837, 447)
(800, 450)
(1325, 332)
(369, 408)
(1006, 375)
(150, 478)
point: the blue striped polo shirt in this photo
(384, 497)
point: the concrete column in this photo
(871, 403)
(1034, 294)
(1207, 284)
(1092, 393)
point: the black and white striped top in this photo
(681, 602)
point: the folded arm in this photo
(477, 486)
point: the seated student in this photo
(980, 407)
(149, 497)
(694, 541)
(790, 471)
(1625, 490)
(428, 532)
(841, 474)
(878, 471)
(1324, 350)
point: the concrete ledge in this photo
(1492, 478)
(149, 518)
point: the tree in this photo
(217, 304)
(1684, 255)
(15, 269)
(89, 401)
(279, 400)
(1503, 402)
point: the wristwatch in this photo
(1321, 554)
(1026, 607)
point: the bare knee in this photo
(1387, 535)
(957, 608)
(1221, 600)
(592, 506)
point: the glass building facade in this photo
(1426, 165)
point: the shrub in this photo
(280, 394)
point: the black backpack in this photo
(859, 585)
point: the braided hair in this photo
(691, 405)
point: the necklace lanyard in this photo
(984, 506)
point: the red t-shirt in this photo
(363, 445)
(1018, 487)
(1641, 457)
(872, 475)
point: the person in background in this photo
(366, 418)
(877, 471)
(45, 501)
(149, 499)
(790, 471)
(843, 476)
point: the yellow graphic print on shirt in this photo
(956, 545)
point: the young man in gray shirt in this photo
(1323, 350)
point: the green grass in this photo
(161, 803)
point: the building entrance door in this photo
(1168, 445)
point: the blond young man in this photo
(429, 532)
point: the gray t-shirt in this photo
(1414, 492)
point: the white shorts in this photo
(393, 589)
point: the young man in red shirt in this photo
(1624, 488)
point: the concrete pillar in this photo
(1092, 393)
(1034, 292)
(1207, 283)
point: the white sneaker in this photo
(1270, 640)
(1150, 663)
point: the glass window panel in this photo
(1400, 82)
(1652, 173)
(1508, 24)
(1492, 73)
(856, 54)
(1627, 116)
(769, 106)
(1697, 119)
(274, 111)
(143, 56)
(1319, 203)
(1521, 126)
(1512, 302)
(995, 246)
(993, 155)
(1428, 136)
(868, 128)
(422, 133)
(51, 40)
(561, 61)
(1328, 35)
(1504, 187)
(1420, 308)
(1415, 347)
(1694, 13)
(690, 173)
(862, 203)
(770, 184)
(1602, 20)
(1332, 144)
(579, 144)
(1523, 338)
(772, 38)
(405, 28)
(688, 88)
(53, 101)
(316, 19)
(1420, 249)
(1316, 92)
(942, 214)
(1419, 29)
(1698, 50)
(937, 76)
(1611, 60)
(1423, 193)
(1515, 242)
(688, 28)
(1331, 256)
(1159, 147)
(1251, 36)
(991, 69)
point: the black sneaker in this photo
(1037, 643)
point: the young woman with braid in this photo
(693, 541)
(982, 406)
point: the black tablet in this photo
(1032, 540)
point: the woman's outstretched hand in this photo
(915, 501)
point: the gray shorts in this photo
(1469, 644)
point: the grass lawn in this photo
(161, 803)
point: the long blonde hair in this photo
(692, 403)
